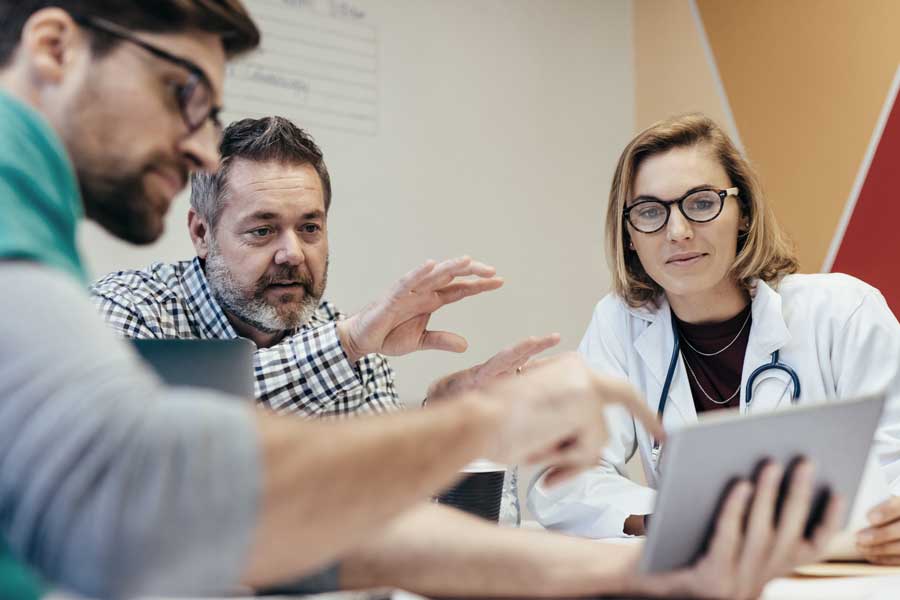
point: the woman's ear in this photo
(744, 228)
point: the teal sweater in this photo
(41, 205)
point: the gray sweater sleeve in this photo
(112, 484)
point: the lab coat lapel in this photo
(654, 347)
(768, 333)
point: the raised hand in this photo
(398, 323)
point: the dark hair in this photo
(227, 18)
(270, 139)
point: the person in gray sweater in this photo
(114, 485)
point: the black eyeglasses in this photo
(195, 98)
(699, 206)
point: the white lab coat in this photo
(836, 332)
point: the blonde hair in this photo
(765, 252)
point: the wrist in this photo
(623, 576)
(592, 567)
(486, 418)
(350, 348)
(452, 385)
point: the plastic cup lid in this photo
(483, 465)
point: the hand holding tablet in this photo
(749, 543)
(702, 462)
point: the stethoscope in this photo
(775, 364)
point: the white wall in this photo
(499, 124)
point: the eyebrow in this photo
(268, 215)
(696, 188)
(313, 214)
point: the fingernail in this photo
(875, 516)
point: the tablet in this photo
(222, 365)
(700, 462)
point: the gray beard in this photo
(254, 310)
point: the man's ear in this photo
(200, 233)
(50, 44)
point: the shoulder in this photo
(610, 305)
(40, 312)
(837, 291)
(832, 299)
(612, 309)
(156, 284)
(613, 319)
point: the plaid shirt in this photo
(307, 372)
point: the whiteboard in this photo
(488, 128)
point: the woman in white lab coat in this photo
(690, 238)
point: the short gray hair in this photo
(260, 140)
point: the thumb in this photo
(443, 340)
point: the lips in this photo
(685, 258)
(287, 286)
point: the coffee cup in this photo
(480, 490)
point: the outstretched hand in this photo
(398, 323)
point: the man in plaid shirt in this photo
(260, 230)
(263, 281)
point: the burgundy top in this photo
(719, 376)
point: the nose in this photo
(678, 228)
(200, 149)
(290, 251)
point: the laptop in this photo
(221, 365)
(701, 461)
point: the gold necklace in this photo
(710, 398)
(727, 346)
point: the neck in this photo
(13, 84)
(710, 306)
(262, 339)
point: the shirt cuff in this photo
(344, 376)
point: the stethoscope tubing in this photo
(748, 394)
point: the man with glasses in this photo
(117, 486)
(195, 95)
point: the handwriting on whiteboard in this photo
(318, 66)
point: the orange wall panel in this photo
(806, 81)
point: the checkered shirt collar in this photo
(206, 313)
